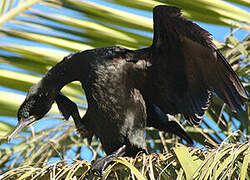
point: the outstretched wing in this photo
(187, 67)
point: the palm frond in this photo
(229, 160)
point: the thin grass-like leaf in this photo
(138, 175)
(17, 10)
(245, 165)
(56, 41)
(240, 2)
(189, 164)
(111, 15)
(229, 161)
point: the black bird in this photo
(128, 90)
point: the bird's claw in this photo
(98, 166)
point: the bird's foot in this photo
(99, 165)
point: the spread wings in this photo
(187, 67)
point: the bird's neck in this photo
(72, 68)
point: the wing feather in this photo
(183, 49)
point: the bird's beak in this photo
(22, 123)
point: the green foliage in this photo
(43, 32)
(228, 161)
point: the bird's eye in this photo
(26, 114)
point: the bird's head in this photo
(36, 104)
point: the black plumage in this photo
(128, 90)
(187, 67)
